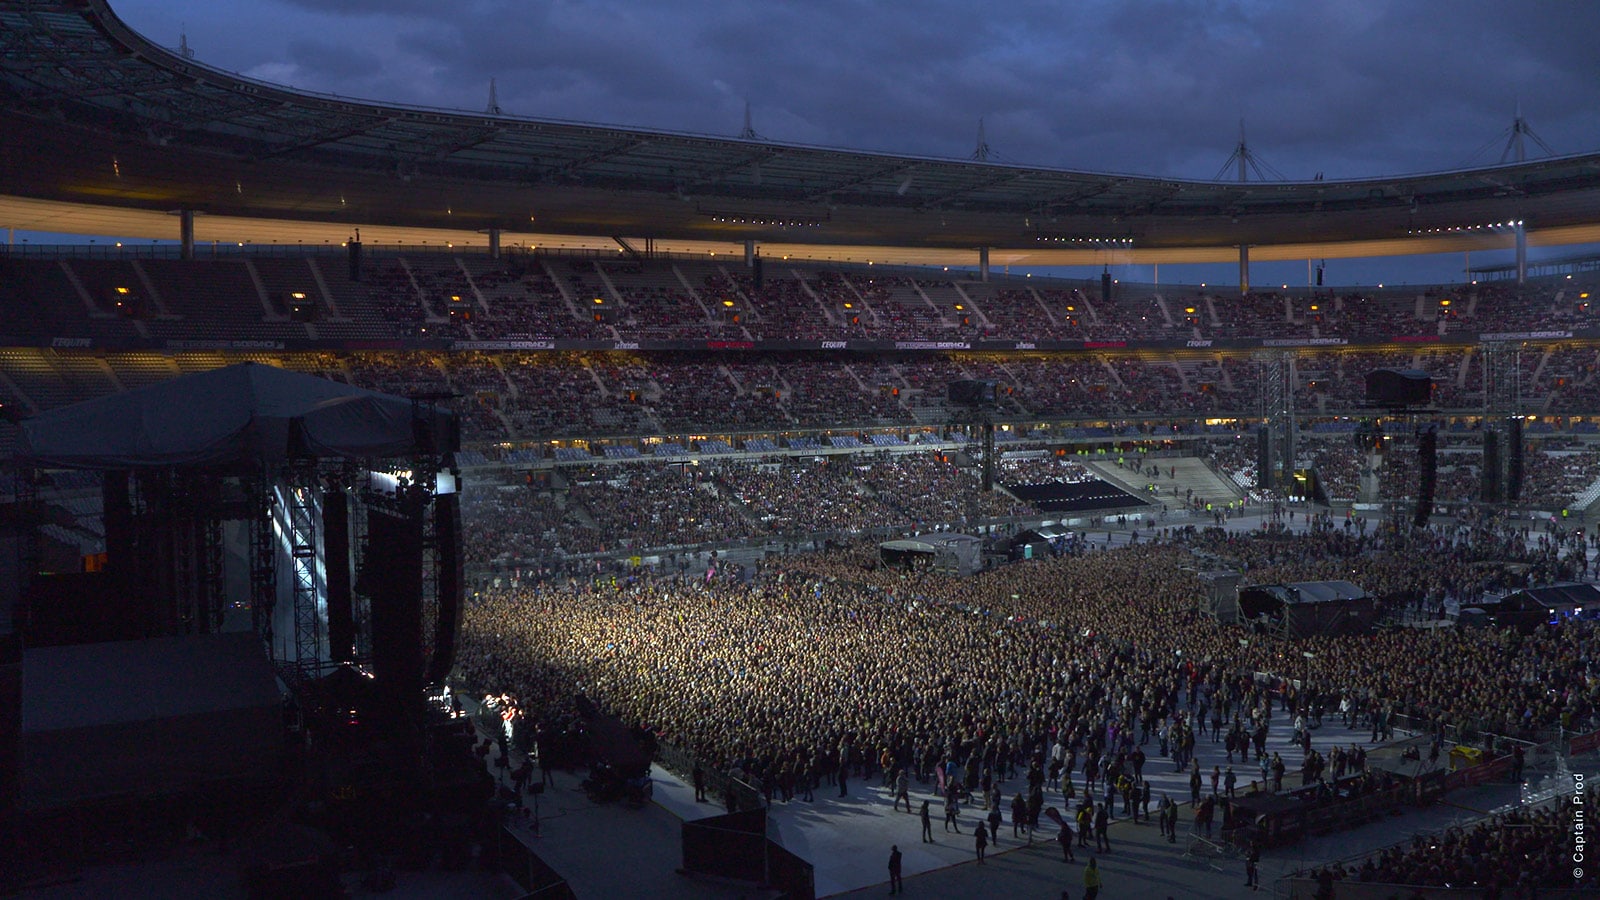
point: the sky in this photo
(1354, 88)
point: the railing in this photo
(1306, 889)
(680, 762)
(1128, 290)
(1557, 784)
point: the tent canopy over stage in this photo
(243, 414)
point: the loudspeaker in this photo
(336, 552)
(1105, 287)
(10, 722)
(1428, 465)
(972, 392)
(116, 504)
(1514, 461)
(1319, 494)
(391, 577)
(756, 275)
(355, 260)
(1489, 491)
(1264, 458)
(450, 585)
(1399, 387)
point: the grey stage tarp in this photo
(146, 717)
(247, 413)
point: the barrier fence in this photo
(736, 795)
(530, 872)
(1431, 787)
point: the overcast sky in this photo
(1351, 88)
(1348, 88)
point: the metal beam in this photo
(873, 175)
(715, 175)
(967, 189)
(1095, 189)
(621, 148)
(320, 136)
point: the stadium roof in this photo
(111, 131)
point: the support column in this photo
(983, 263)
(749, 254)
(1244, 268)
(1522, 253)
(186, 233)
(494, 243)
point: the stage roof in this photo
(96, 115)
(245, 414)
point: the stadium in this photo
(739, 489)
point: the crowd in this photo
(1041, 468)
(665, 504)
(828, 667)
(1520, 852)
(641, 507)
(520, 394)
(506, 521)
(531, 297)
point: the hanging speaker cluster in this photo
(1428, 465)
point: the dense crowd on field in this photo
(824, 668)
(1061, 678)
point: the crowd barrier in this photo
(530, 872)
(1307, 889)
(720, 786)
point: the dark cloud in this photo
(325, 62)
(1350, 89)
